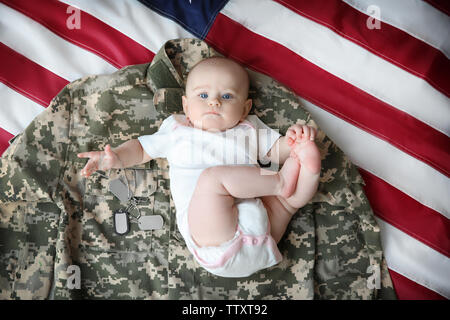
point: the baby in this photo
(231, 213)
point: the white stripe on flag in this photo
(344, 59)
(415, 17)
(135, 20)
(37, 43)
(16, 111)
(432, 270)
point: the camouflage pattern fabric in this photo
(51, 218)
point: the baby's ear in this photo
(184, 101)
(247, 108)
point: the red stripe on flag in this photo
(29, 78)
(406, 214)
(407, 289)
(388, 42)
(331, 93)
(5, 136)
(93, 34)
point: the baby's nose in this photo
(214, 103)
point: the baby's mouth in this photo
(212, 112)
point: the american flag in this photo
(375, 75)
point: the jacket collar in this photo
(162, 73)
(168, 70)
(174, 60)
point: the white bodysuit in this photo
(189, 151)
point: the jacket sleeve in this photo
(29, 176)
(31, 166)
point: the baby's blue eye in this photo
(226, 96)
(203, 95)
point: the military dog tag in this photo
(120, 190)
(121, 222)
(154, 222)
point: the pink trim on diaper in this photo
(239, 242)
(235, 247)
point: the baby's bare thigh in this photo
(212, 214)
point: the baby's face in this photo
(216, 95)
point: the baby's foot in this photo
(307, 153)
(301, 140)
(288, 177)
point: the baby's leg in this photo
(212, 214)
(280, 209)
(308, 180)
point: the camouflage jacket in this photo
(52, 219)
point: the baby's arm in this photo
(127, 154)
(131, 153)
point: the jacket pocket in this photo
(100, 205)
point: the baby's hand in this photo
(300, 133)
(99, 160)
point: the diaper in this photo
(251, 249)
